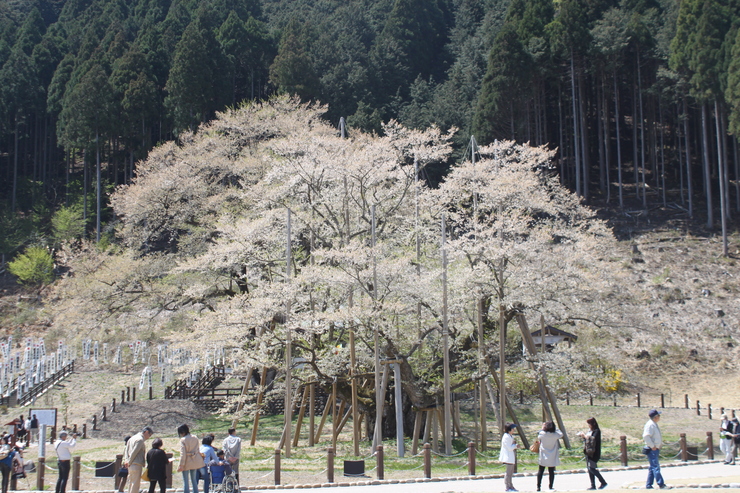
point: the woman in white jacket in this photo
(508, 455)
(549, 458)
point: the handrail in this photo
(41, 387)
(205, 384)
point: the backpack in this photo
(589, 446)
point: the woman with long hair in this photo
(592, 451)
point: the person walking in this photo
(725, 438)
(64, 448)
(6, 463)
(156, 464)
(508, 455)
(134, 458)
(549, 438)
(190, 458)
(592, 451)
(209, 454)
(232, 447)
(653, 442)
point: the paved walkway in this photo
(678, 475)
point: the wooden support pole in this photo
(117, 467)
(76, 473)
(471, 459)
(277, 466)
(311, 413)
(427, 436)
(427, 461)
(417, 430)
(379, 466)
(301, 413)
(330, 464)
(512, 413)
(168, 470)
(328, 408)
(258, 412)
(435, 431)
(355, 407)
(623, 449)
(482, 370)
(40, 473)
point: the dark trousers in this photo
(162, 485)
(551, 473)
(63, 476)
(6, 472)
(593, 473)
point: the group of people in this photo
(198, 461)
(11, 461)
(27, 428)
(548, 450)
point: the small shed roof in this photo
(554, 331)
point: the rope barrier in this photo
(93, 468)
(49, 467)
(478, 452)
(449, 456)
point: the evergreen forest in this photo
(640, 98)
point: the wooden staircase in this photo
(202, 388)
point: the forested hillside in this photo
(641, 98)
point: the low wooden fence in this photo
(471, 455)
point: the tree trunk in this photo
(607, 147)
(721, 169)
(662, 154)
(707, 170)
(619, 141)
(642, 133)
(600, 133)
(97, 185)
(15, 165)
(585, 158)
(687, 138)
(576, 146)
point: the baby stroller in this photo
(223, 480)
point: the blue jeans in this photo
(203, 474)
(190, 476)
(653, 471)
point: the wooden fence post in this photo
(84, 430)
(277, 466)
(686, 400)
(168, 470)
(698, 408)
(105, 413)
(590, 400)
(427, 460)
(623, 449)
(117, 467)
(76, 473)
(662, 401)
(379, 468)
(684, 451)
(123, 396)
(128, 394)
(151, 393)
(710, 446)
(40, 473)
(709, 411)
(95, 422)
(330, 465)
(638, 399)
(615, 400)
(133, 394)
(471, 458)
(113, 405)
(567, 398)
